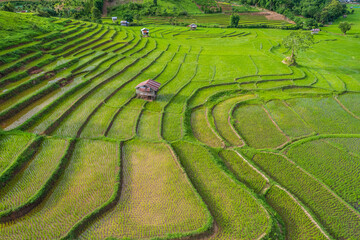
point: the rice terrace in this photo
(122, 120)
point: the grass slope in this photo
(17, 28)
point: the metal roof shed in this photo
(147, 90)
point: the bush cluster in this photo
(318, 11)
(77, 9)
(131, 11)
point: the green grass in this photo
(245, 8)
(351, 101)
(11, 146)
(217, 20)
(243, 171)
(298, 223)
(172, 126)
(334, 214)
(202, 129)
(177, 103)
(351, 18)
(156, 198)
(325, 115)
(28, 182)
(76, 193)
(256, 128)
(204, 94)
(100, 121)
(149, 126)
(77, 118)
(221, 114)
(124, 125)
(18, 28)
(336, 168)
(204, 75)
(349, 144)
(287, 119)
(235, 210)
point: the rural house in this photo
(145, 32)
(147, 89)
(315, 31)
(124, 23)
(192, 26)
(114, 19)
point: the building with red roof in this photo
(147, 90)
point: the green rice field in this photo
(236, 145)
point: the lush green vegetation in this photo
(260, 131)
(334, 167)
(237, 145)
(321, 10)
(300, 224)
(339, 218)
(156, 189)
(19, 28)
(237, 212)
(77, 9)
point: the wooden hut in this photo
(192, 26)
(315, 31)
(114, 19)
(145, 32)
(124, 23)
(147, 90)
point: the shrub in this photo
(95, 13)
(234, 20)
(344, 27)
(9, 7)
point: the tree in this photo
(335, 9)
(42, 13)
(310, 23)
(95, 13)
(234, 20)
(324, 16)
(127, 16)
(99, 4)
(344, 27)
(155, 2)
(297, 42)
(9, 7)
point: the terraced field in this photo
(236, 145)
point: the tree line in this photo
(89, 10)
(315, 11)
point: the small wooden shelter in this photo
(315, 31)
(147, 90)
(114, 19)
(124, 23)
(192, 26)
(145, 32)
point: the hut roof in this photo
(150, 83)
(193, 25)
